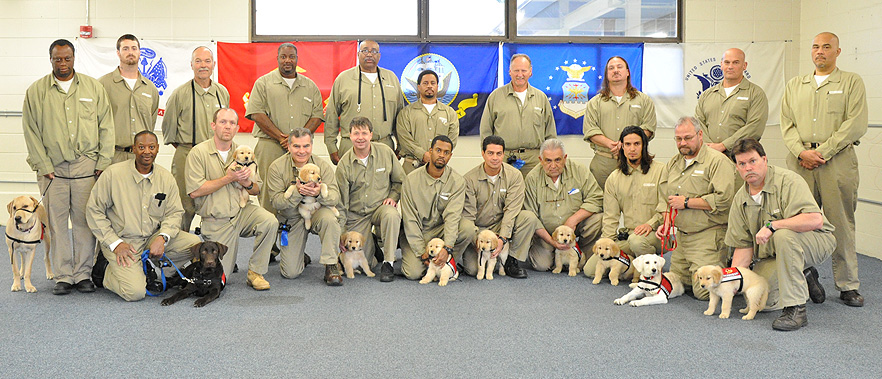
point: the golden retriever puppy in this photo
(613, 259)
(309, 173)
(486, 243)
(28, 225)
(725, 283)
(565, 235)
(444, 272)
(653, 287)
(243, 157)
(352, 254)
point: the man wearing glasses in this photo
(365, 90)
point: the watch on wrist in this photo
(769, 226)
(686, 203)
(249, 187)
(449, 249)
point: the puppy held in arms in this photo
(205, 277)
(352, 254)
(243, 157)
(564, 235)
(309, 173)
(28, 225)
(444, 272)
(725, 283)
(487, 242)
(653, 287)
(614, 260)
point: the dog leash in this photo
(164, 261)
(43, 195)
(669, 242)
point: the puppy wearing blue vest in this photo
(725, 283)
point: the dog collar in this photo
(245, 164)
(731, 274)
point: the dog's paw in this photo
(490, 276)
(30, 288)
(442, 284)
(573, 273)
(370, 274)
(199, 303)
(619, 301)
(709, 312)
(747, 317)
(744, 310)
(724, 315)
(16, 286)
(614, 281)
(596, 280)
(50, 276)
(556, 271)
(350, 276)
(424, 281)
(165, 302)
(480, 275)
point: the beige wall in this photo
(28, 27)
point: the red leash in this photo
(669, 242)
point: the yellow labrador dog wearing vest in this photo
(487, 242)
(243, 157)
(653, 287)
(28, 224)
(445, 271)
(352, 254)
(571, 256)
(613, 259)
(725, 283)
(309, 173)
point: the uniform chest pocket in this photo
(738, 111)
(538, 115)
(144, 102)
(648, 194)
(835, 102)
(86, 108)
(635, 114)
(442, 200)
(156, 205)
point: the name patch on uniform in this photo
(636, 106)
(443, 119)
(537, 108)
(835, 92)
(697, 172)
(146, 94)
(573, 191)
(307, 99)
(444, 195)
(503, 190)
(381, 169)
(85, 99)
(743, 98)
(649, 184)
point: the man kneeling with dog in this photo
(135, 206)
(775, 220)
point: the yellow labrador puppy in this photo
(352, 254)
(487, 242)
(725, 283)
(444, 272)
(309, 173)
(653, 287)
(243, 157)
(28, 224)
(565, 235)
(613, 259)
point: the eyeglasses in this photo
(369, 52)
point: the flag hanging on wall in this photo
(240, 64)
(571, 74)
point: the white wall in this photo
(28, 27)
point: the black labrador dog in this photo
(206, 273)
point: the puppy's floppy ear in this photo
(638, 265)
(194, 251)
(695, 276)
(494, 242)
(361, 239)
(221, 250)
(717, 274)
(555, 233)
(9, 206)
(343, 237)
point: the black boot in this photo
(792, 318)
(815, 289)
(513, 269)
(98, 270)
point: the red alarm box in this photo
(86, 31)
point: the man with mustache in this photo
(133, 98)
(421, 121)
(187, 120)
(823, 117)
(697, 184)
(124, 229)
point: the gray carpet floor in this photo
(549, 325)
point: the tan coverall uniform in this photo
(523, 126)
(134, 110)
(416, 128)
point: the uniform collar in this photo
(53, 81)
(744, 84)
(372, 154)
(486, 177)
(212, 149)
(509, 90)
(137, 176)
(701, 157)
(564, 176)
(429, 180)
(212, 88)
(834, 77)
(278, 78)
(117, 77)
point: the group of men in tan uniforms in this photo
(822, 118)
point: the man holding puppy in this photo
(211, 184)
(135, 206)
(561, 192)
(431, 207)
(776, 222)
(283, 172)
(370, 178)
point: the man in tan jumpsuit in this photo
(774, 220)
(698, 184)
(520, 114)
(561, 192)
(133, 207)
(632, 193)
(283, 174)
(364, 90)
(617, 105)
(133, 98)
(823, 116)
(213, 187)
(281, 101)
(431, 207)
(421, 121)
(733, 109)
(187, 120)
(494, 199)
(68, 129)
(370, 179)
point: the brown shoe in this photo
(791, 319)
(333, 276)
(851, 298)
(257, 281)
(815, 289)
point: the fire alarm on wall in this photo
(86, 31)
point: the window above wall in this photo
(468, 20)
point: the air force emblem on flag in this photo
(448, 77)
(575, 90)
(154, 69)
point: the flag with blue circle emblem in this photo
(571, 74)
(467, 74)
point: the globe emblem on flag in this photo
(575, 90)
(154, 69)
(713, 77)
(448, 77)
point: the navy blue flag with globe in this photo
(467, 74)
(571, 74)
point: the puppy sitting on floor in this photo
(613, 259)
(727, 282)
(486, 243)
(653, 287)
(205, 276)
(243, 157)
(352, 254)
(28, 224)
(309, 173)
(444, 272)
(564, 235)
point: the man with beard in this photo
(133, 98)
(431, 207)
(115, 213)
(421, 121)
(697, 185)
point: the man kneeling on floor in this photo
(776, 212)
(135, 206)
